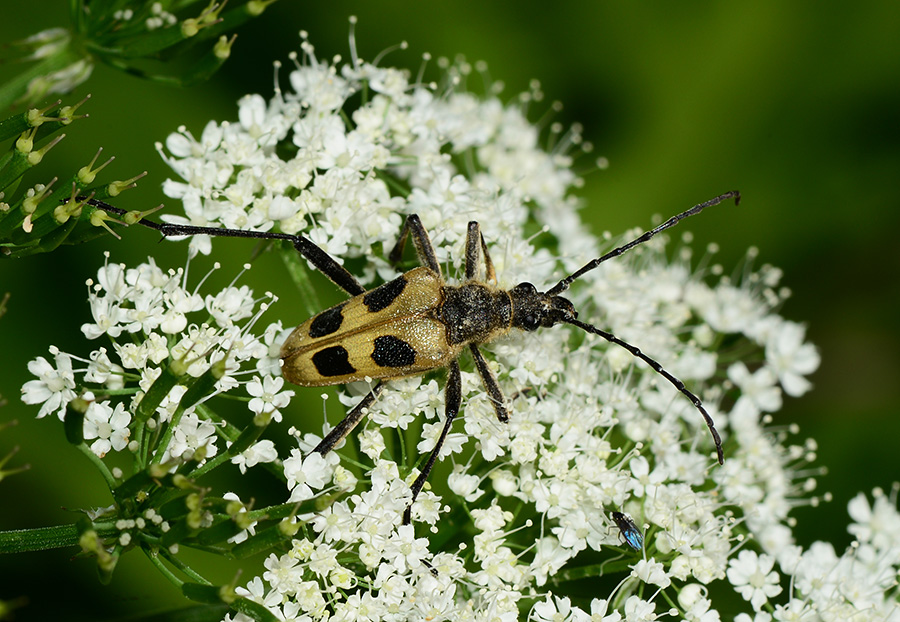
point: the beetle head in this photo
(533, 309)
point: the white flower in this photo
(757, 389)
(262, 451)
(191, 434)
(651, 571)
(549, 557)
(492, 518)
(306, 473)
(250, 526)
(102, 370)
(878, 524)
(465, 485)
(555, 609)
(797, 610)
(283, 574)
(791, 358)
(753, 578)
(268, 396)
(371, 443)
(108, 425)
(230, 305)
(599, 608)
(639, 610)
(54, 388)
(107, 316)
(335, 522)
(403, 550)
(692, 598)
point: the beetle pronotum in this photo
(417, 322)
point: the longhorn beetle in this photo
(417, 322)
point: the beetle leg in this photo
(452, 400)
(424, 248)
(350, 421)
(473, 240)
(498, 401)
(322, 261)
(490, 274)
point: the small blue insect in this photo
(629, 530)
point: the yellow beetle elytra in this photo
(416, 322)
(389, 332)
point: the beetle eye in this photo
(525, 288)
(531, 322)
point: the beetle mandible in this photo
(417, 322)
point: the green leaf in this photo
(48, 243)
(15, 125)
(208, 64)
(134, 484)
(211, 594)
(219, 532)
(155, 395)
(264, 540)
(253, 610)
(73, 423)
(16, 167)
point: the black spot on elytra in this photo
(327, 322)
(333, 361)
(390, 351)
(381, 297)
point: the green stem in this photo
(672, 603)
(592, 570)
(45, 538)
(250, 434)
(186, 402)
(190, 572)
(101, 466)
(231, 432)
(38, 539)
(153, 556)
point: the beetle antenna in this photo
(678, 384)
(564, 284)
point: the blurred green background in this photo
(794, 104)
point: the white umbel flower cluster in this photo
(343, 158)
(154, 319)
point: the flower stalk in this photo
(48, 215)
